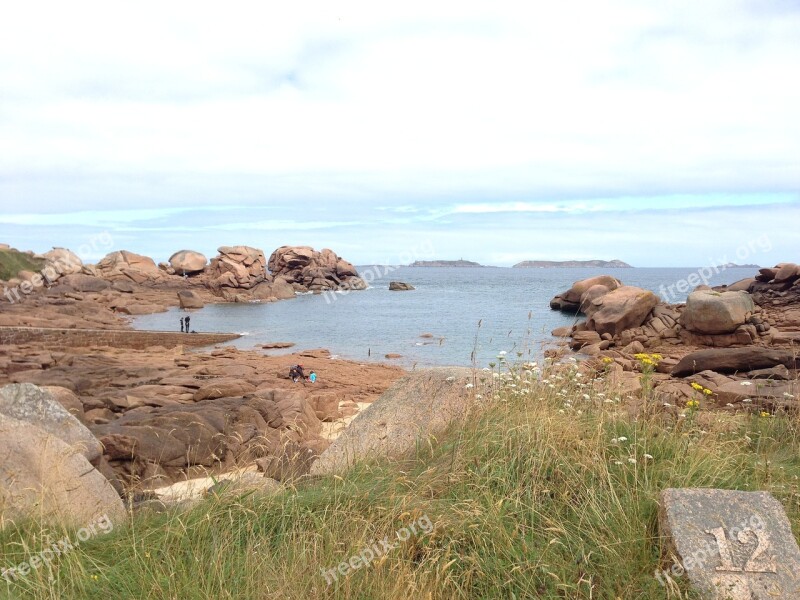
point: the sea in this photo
(467, 315)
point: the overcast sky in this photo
(659, 133)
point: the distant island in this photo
(546, 264)
(444, 263)
(735, 266)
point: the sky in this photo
(658, 133)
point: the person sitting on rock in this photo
(312, 377)
(296, 373)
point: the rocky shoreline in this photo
(739, 343)
(154, 417)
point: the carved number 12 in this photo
(751, 565)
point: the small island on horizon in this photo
(546, 264)
(445, 263)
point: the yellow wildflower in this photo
(693, 404)
(707, 391)
(764, 414)
(697, 386)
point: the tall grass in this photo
(548, 491)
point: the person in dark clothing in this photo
(296, 373)
(187, 324)
(182, 330)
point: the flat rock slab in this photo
(731, 545)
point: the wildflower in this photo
(469, 386)
(617, 462)
(707, 391)
(478, 396)
(586, 396)
(729, 405)
(693, 404)
(745, 383)
(787, 395)
(648, 456)
(697, 386)
(561, 411)
(747, 400)
(495, 375)
(632, 460)
(607, 360)
(764, 414)
(667, 405)
(450, 379)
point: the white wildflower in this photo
(648, 456)
(469, 386)
(745, 383)
(632, 460)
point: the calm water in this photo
(512, 306)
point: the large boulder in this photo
(44, 478)
(190, 299)
(240, 267)
(308, 269)
(400, 286)
(571, 300)
(123, 264)
(187, 262)
(786, 272)
(620, 309)
(31, 404)
(732, 360)
(714, 313)
(414, 409)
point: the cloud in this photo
(355, 123)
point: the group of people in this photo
(185, 324)
(296, 373)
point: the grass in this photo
(13, 261)
(550, 491)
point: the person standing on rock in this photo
(182, 325)
(187, 323)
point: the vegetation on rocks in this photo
(13, 261)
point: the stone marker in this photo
(731, 545)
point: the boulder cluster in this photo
(719, 339)
(308, 270)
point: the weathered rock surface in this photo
(31, 404)
(237, 267)
(572, 299)
(732, 545)
(732, 360)
(44, 478)
(188, 262)
(712, 312)
(400, 286)
(190, 299)
(623, 308)
(308, 269)
(122, 264)
(417, 407)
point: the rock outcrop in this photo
(308, 270)
(400, 286)
(732, 360)
(190, 299)
(240, 267)
(123, 264)
(416, 407)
